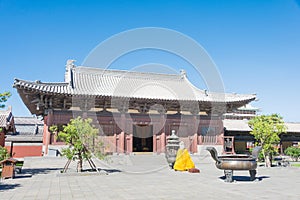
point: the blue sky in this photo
(255, 44)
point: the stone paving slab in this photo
(138, 181)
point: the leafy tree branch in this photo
(266, 130)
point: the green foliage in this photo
(294, 152)
(3, 153)
(261, 157)
(80, 135)
(3, 98)
(266, 130)
(53, 129)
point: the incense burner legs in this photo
(228, 175)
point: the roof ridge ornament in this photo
(69, 72)
(183, 73)
(206, 92)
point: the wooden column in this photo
(45, 137)
(130, 143)
(194, 143)
(158, 144)
(2, 138)
(195, 136)
(121, 142)
(129, 139)
(221, 131)
(162, 137)
(11, 149)
(162, 142)
(115, 139)
(121, 145)
(154, 143)
(48, 121)
(200, 139)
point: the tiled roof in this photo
(6, 118)
(21, 138)
(3, 120)
(126, 84)
(293, 127)
(28, 129)
(28, 126)
(28, 121)
(60, 88)
(236, 125)
(242, 125)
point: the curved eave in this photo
(45, 88)
(64, 89)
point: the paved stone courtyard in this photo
(146, 177)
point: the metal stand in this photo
(252, 174)
(228, 175)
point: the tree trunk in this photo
(268, 160)
(79, 164)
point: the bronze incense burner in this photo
(236, 162)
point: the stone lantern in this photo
(172, 148)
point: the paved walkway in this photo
(146, 177)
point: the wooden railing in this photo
(209, 139)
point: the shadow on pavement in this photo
(245, 178)
(19, 176)
(8, 186)
(87, 172)
(40, 170)
(102, 169)
(111, 170)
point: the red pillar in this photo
(121, 145)
(115, 139)
(200, 139)
(121, 142)
(194, 143)
(48, 121)
(158, 143)
(221, 136)
(2, 138)
(195, 136)
(45, 137)
(129, 143)
(161, 139)
(154, 143)
(162, 142)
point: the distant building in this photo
(292, 137)
(243, 140)
(7, 124)
(27, 140)
(245, 112)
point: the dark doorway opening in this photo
(142, 138)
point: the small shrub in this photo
(296, 164)
(294, 152)
(3, 153)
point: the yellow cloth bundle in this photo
(183, 161)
